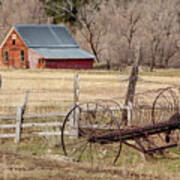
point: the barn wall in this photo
(69, 64)
(33, 59)
(14, 52)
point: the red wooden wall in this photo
(14, 52)
(69, 64)
(32, 58)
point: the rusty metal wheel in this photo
(93, 120)
(166, 108)
(173, 137)
(165, 105)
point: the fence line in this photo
(28, 125)
(19, 124)
(32, 116)
(20, 117)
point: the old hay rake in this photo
(95, 132)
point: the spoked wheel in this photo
(114, 107)
(93, 120)
(173, 137)
(165, 105)
(166, 108)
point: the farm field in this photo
(34, 159)
(52, 91)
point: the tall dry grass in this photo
(52, 90)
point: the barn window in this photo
(22, 56)
(6, 56)
(14, 39)
(13, 42)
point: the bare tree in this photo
(87, 19)
(130, 17)
(109, 29)
(20, 12)
(91, 30)
(161, 25)
(132, 83)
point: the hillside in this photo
(108, 29)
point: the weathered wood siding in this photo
(33, 58)
(14, 52)
(69, 63)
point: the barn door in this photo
(11, 57)
(14, 58)
(41, 63)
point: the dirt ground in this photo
(16, 166)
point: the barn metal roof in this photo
(51, 41)
(45, 36)
(63, 53)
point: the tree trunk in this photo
(108, 64)
(166, 63)
(132, 84)
(92, 46)
(152, 65)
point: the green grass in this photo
(32, 158)
(31, 146)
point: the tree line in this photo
(110, 29)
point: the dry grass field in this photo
(52, 91)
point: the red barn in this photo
(43, 46)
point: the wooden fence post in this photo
(75, 118)
(25, 103)
(19, 117)
(132, 83)
(0, 81)
(76, 88)
(26, 99)
(18, 124)
(129, 114)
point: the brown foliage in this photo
(111, 32)
(155, 23)
(20, 12)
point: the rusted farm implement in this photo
(93, 132)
